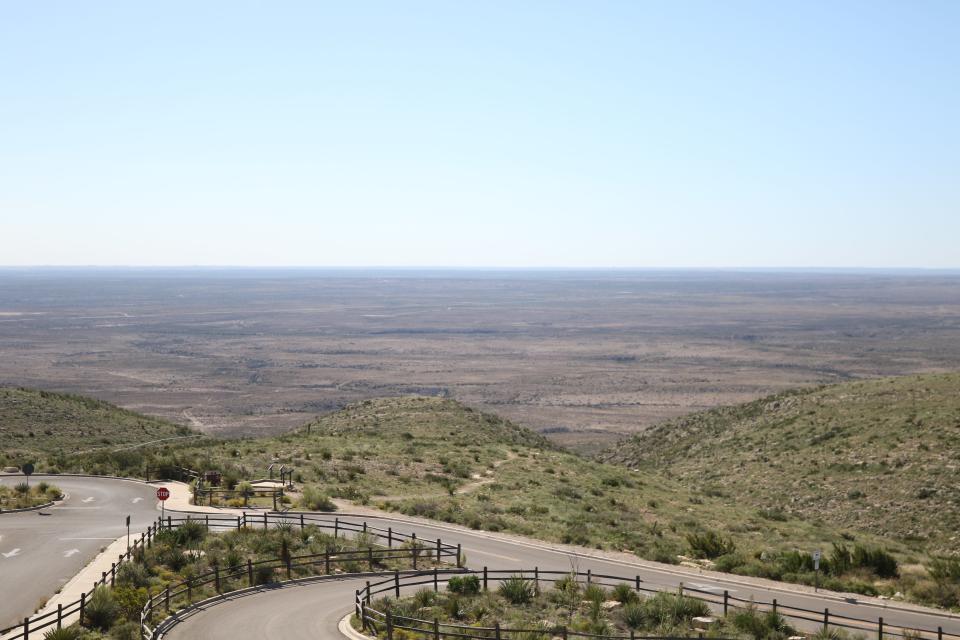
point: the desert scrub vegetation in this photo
(48, 427)
(545, 610)
(23, 495)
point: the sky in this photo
(481, 134)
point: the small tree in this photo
(245, 489)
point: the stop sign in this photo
(163, 493)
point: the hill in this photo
(877, 456)
(38, 424)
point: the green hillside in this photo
(877, 456)
(37, 425)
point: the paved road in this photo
(41, 553)
(313, 610)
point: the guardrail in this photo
(406, 545)
(385, 622)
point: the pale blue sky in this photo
(621, 134)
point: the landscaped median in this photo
(545, 605)
(23, 496)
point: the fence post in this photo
(775, 605)
(826, 618)
(216, 577)
(390, 537)
(436, 583)
(189, 591)
(414, 549)
(436, 629)
(880, 628)
(589, 576)
(113, 572)
(536, 579)
(238, 523)
(169, 522)
(438, 549)
(726, 601)
(287, 562)
(83, 600)
(389, 625)
(326, 560)
(336, 527)
(484, 578)
(496, 630)
(563, 632)
(459, 556)
(250, 572)
(363, 613)
(266, 525)
(396, 582)
(301, 522)
(59, 615)
(364, 526)
(370, 557)
(939, 633)
(206, 521)
(26, 628)
(356, 603)
(166, 599)
(367, 596)
(637, 583)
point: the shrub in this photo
(22, 488)
(424, 598)
(314, 500)
(130, 600)
(594, 593)
(762, 626)
(453, 608)
(879, 561)
(263, 574)
(944, 570)
(624, 594)
(670, 609)
(465, 585)
(101, 609)
(66, 633)
(634, 615)
(516, 590)
(131, 574)
(128, 630)
(710, 545)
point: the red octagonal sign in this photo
(163, 493)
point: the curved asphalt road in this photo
(41, 553)
(313, 610)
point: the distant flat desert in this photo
(585, 357)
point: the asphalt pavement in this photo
(40, 551)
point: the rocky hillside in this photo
(879, 456)
(40, 424)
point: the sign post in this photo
(162, 494)
(816, 568)
(27, 470)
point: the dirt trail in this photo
(477, 482)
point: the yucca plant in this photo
(517, 590)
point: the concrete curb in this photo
(345, 628)
(42, 506)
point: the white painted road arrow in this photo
(67, 554)
(87, 500)
(136, 500)
(10, 554)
